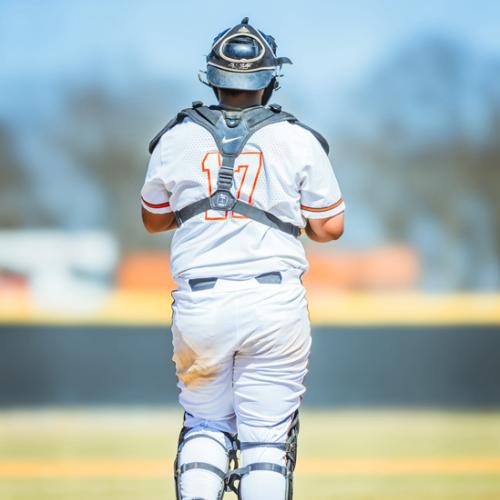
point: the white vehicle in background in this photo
(64, 272)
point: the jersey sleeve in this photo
(154, 196)
(320, 195)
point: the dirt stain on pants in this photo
(192, 369)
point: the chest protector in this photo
(231, 130)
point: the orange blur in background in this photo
(390, 268)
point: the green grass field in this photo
(125, 454)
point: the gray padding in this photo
(245, 445)
(202, 465)
(264, 217)
(182, 114)
(323, 142)
(198, 207)
(259, 466)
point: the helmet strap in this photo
(268, 91)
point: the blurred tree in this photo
(109, 134)
(423, 133)
(13, 206)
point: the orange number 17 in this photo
(246, 174)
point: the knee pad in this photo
(218, 450)
(289, 449)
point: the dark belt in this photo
(198, 284)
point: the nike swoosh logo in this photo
(225, 140)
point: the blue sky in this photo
(336, 39)
(46, 44)
(332, 44)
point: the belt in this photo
(197, 284)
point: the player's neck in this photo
(241, 101)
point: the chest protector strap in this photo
(231, 130)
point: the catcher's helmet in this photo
(244, 58)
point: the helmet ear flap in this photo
(268, 91)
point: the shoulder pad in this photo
(208, 116)
(319, 137)
(276, 108)
(171, 124)
(196, 105)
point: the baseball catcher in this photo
(239, 182)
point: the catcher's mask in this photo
(244, 58)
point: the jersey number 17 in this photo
(246, 173)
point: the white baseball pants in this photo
(241, 351)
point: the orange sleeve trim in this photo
(155, 205)
(324, 209)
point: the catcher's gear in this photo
(228, 446)
(244, 58)
(290, 450)
(231, 129)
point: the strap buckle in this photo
(222, 200)
(232, 118)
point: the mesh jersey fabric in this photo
(282, 169)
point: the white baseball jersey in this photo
(282, 169)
